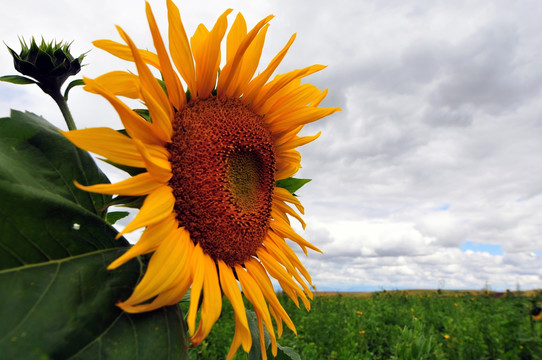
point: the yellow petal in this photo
(291, 156)
(211, 306)
(141, 184)
(179, 47)
(180, 285)
(280, 82)
(151, 238)
(300, 97)
(231, 290)
(284, 278)
(262, 339)
(235, 36)
(254, 295)
(283, 259)
(279, 139)
(296, 142)
(157, 206)
(121, 83)
(206, 51)
(135, 125)
(158, 166)
(240, 334)
(164, 266)
(281, 206)
(286, 231)
(256, 270)
(301, 116)
(276, 270)
(99, 141)
(272, 100)
(285, 171)
(122, 51)
(198, 274)
(284, 195)
(254, 87)
(250, 62)
(226, 85)
(278, 322)
(155, 98)
(174, 87)
(290, 254)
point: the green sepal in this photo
(17, 79)
(114, 216)
(144, 113)
(291, 184)
(133, 171)
(133, 202)
(77, 82)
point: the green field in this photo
(402, 325)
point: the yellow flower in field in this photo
(362, 332)
(415, 318)
(446, 336)
(456, 304)
(411, 309)
(359, 313)
(213, 216)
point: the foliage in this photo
(402, 325)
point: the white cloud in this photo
(438, 143)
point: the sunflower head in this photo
(211, 162)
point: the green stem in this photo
(63, 105)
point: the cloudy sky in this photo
(431, 176)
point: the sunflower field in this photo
(403, 325)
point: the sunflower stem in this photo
(63, 105)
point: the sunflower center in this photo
(223, 165)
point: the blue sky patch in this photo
(478, 247)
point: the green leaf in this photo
(47, 217)
(17, 79)
(291, 184)
(65, 309)
(35, 154)
(57, 298)
(114, 216)
(40, 226)
(78, 82)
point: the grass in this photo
(402, 325)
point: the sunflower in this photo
(210, 156)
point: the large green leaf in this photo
(34, 153)
(43, 215)
(57, 299)
(65, 309)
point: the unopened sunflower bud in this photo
(50, 64)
